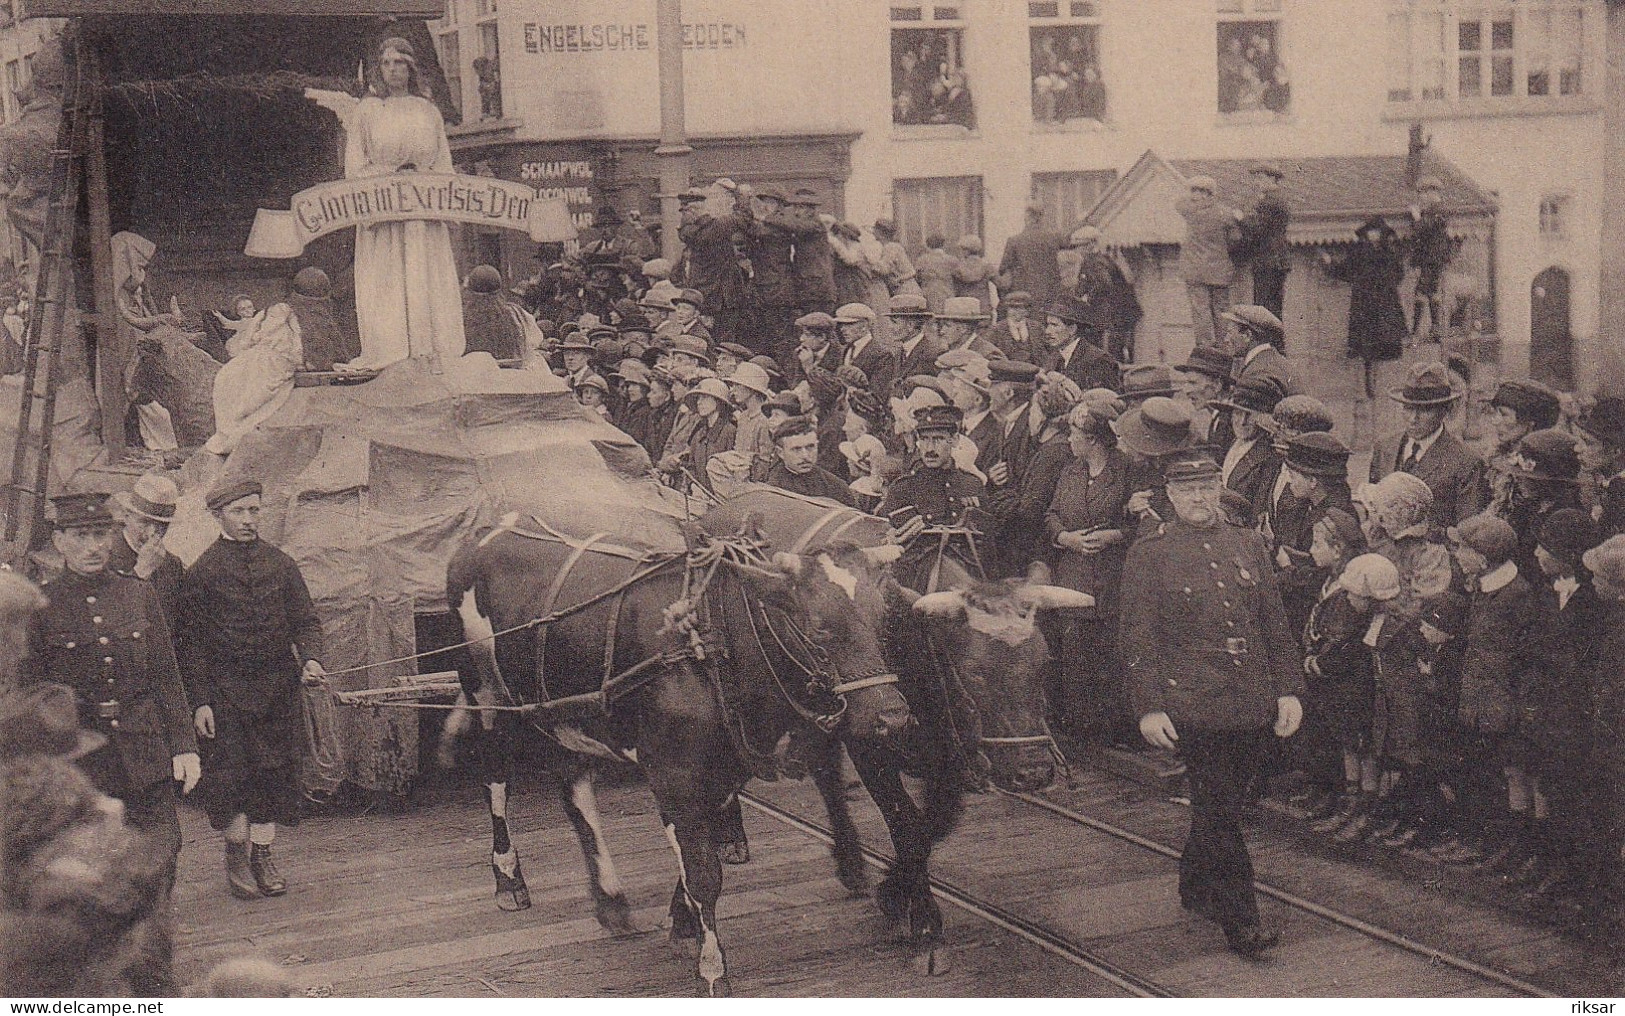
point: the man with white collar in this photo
(918, 348)
(1426, 449)
(877, 356)
(1256, 333)
(577, 352)
(1016, 334)
(1073, 353)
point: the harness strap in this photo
(552, 597)
(1028, 739)
(863, 682)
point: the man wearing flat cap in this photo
(1428, 450)
(710, 262)
(770, 251)
(106, 636)
(249, 635)
(1263, 243)
(862, 347)
(1204, 257)
(1212, 670)
(1259, 336)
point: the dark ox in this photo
(970, 661)
(671, 724)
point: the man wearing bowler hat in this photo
(143, 514)
(1205, 377)
(106, 636)
(1212, 668)
(1263, 237)
(1426, 449)
(1073, 352)
(917, 346)
(249, 636)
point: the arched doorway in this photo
(1551, 345)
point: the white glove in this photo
(203, 721)
(313, 674)
(187, 769)
(1288, 715)
(1158, 729)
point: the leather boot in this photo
(1347, 804)
(266, 876)
(238, 875)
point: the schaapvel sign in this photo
(440, 197)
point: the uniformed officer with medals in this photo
(1212, 666)
(105, 636)
(936, 508)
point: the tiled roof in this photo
(1346, 185)
(1329, 196)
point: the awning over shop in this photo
(1329, 196)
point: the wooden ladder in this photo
(51, 317)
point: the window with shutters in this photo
(1470, 56)
(949, 206)
(930, 85)
(1068, 82)
(1067, 197)
(1252, 75)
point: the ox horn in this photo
(949, 603)
(883, 555)
(789, 564)
(1046, 597)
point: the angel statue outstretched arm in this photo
(344, 105)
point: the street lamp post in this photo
(674, 152)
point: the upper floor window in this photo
(929, 82)
(1554, 213)
(1252, 74)
(1067, 79)
(1468, 52)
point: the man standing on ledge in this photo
(1211, 665)
(249, 634)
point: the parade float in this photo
(209, 156)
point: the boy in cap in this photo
(106, 636)
(1501, 642)
(1211, 668)
(1430, 251)
(250, 637)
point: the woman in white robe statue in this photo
(407, 294)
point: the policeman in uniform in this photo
(105, 636)
(1211, 665)
(936, 495)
